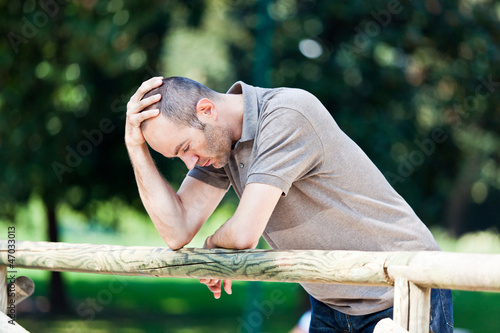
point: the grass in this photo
(142, 304)
(477, 311)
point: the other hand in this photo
(214, 285)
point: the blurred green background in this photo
(415, 84)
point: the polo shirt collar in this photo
(251, 109)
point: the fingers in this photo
(137, 119)
(227, 286)
(136, 104)
(214, 285)
(136, 107)
(216, 290)
(210, 282)
(145, 87)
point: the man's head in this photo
(180, 96)
(188, 126)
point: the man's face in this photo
(211, 146)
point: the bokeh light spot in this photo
(479, 192)
(310, 48)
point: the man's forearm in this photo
(228, 236)
(248, 223)
(159, 199)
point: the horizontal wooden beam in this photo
(461, 271)
(251, 265)
(430, 269)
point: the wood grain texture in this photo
(24, 288)
(427, 269)
(401, 314)
(262, 265)
(420, 308)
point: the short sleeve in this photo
(211, 176)
(286, 149)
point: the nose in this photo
(190, 160)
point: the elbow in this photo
(175, 236)
(177, 242)
(175, 245)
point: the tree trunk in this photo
(57, 293)
(459, 200)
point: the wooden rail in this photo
(411, 273)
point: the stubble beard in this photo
(218, 144)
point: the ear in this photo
(206, 108)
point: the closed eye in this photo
(186, 149)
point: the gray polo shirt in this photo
(334, 197)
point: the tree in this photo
(412, 83)
(71, 68)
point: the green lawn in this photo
(477, 312)
(141, 304)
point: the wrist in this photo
(133, 139)
(135, 148)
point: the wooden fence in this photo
(412, 274)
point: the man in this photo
(302, 183)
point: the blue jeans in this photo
(327, 320)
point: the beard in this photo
(218, 144)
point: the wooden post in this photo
(412, 306)
(420, 308)
(401, 311)
(3, 289)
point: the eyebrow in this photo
(179, 147)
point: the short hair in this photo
(179, 97)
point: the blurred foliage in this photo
(415, 84)
(66, 68)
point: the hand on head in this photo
(135, 113)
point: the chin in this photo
(220, 164)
